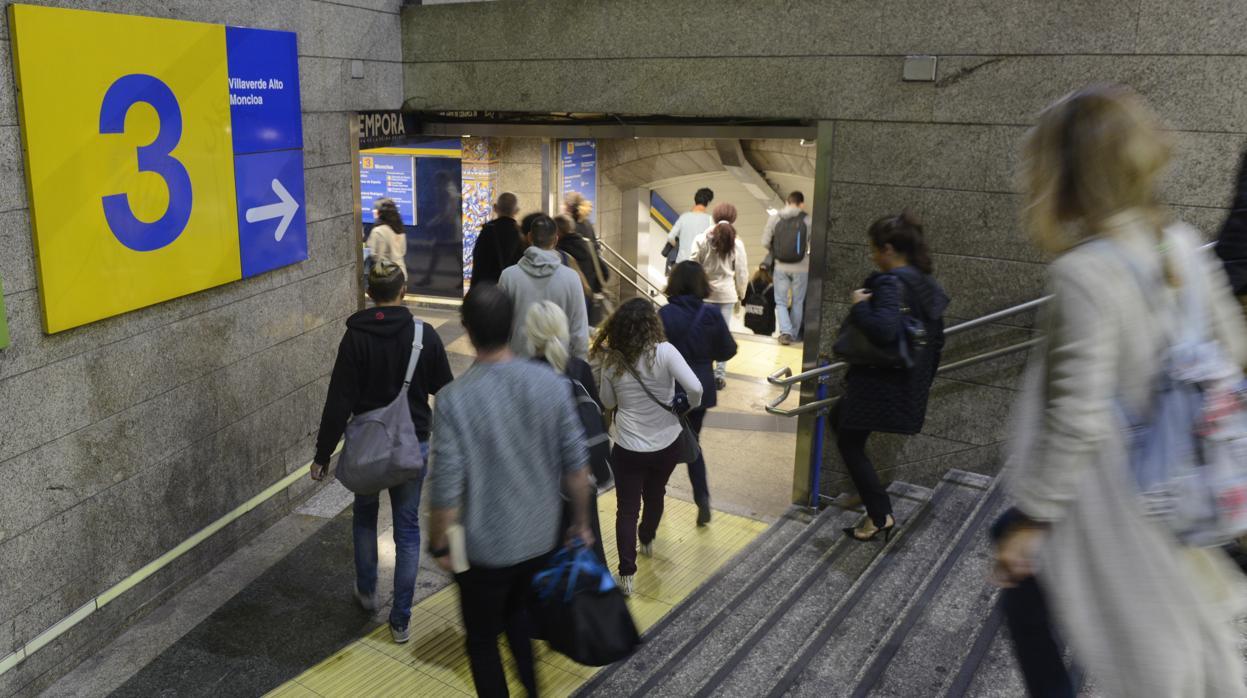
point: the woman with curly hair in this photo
(639, 370)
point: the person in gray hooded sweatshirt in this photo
(541, 276)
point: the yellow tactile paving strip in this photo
(434, 663)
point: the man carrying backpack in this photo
(787, 239)
(369, 373)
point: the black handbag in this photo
(688, 450)
(855, 348)
(579, 610)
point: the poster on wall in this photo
(179, 167)
(579, 169)
(388, 177)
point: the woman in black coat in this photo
(890, 400)
(1232, 242)
(583, 246)
(702, 337)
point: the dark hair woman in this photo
(387, 240)
(894, 400)
(638, 369)
(722, 255)
(698, 331)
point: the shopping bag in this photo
(580, 611)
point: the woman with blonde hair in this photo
(721, 253)
(1145, 614)
(548, 342)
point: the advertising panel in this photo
(175, 165)
(579, 167)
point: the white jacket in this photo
(384, 243)
(729, 276)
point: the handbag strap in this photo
(416, 346)
(653, 397)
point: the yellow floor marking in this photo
(434, 663)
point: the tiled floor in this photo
(433, 663)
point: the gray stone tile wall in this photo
(120, 439)
(949, 150)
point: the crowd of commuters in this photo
(1081, 565)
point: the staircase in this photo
(809, 612)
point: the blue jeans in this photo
(405, 502)
(796, 282)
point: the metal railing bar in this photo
(643, 292)
(784, 377)
(817, 405)
(628, 264)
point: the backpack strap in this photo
(416, 345)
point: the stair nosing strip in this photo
(659, 673)
(759, 630)
(854, 596)
(918, 604)
(978, 652)
(673, 614)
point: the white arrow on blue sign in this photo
(284, 209)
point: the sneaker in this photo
(647, 549)
(785, 339)
(720, 382)
(625, 584)
(366, 601)
(703, 513)
(400, 635)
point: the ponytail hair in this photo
(904, 233)
(723, 235)
(546, 327)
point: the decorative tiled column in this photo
(480, 184)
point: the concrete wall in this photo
(123, 438)
(945, 149)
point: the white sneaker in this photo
(647, 549)
(626, 585)
(400, 636)
(368, 603)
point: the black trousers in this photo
(493, 600)
(697, 469)
(1035, 640)
(852, 446)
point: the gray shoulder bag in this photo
(381, 449)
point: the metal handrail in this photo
(628, 264)
(785, 379)
(818, 405)
(621, 276)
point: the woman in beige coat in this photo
(722, 254)
(1145, 615)
(388, 238)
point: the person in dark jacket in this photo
(698, 331)
(369, 371)
(1232, 242)
(583, 247)
(499, 244)
(890, 400)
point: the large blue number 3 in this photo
(154, 157)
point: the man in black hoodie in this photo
(372, 361)
(499, 244)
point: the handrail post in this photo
(816, 453)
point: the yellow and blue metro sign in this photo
(163, 157)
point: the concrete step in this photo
(849, 636)
(751, 652)
(670, 635)
(936, 634)
(824, 565)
